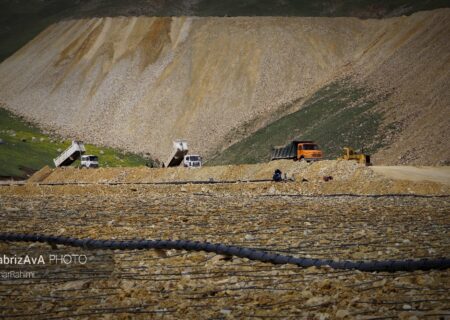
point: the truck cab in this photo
(89, 161)
(192, 161)
(309, 151)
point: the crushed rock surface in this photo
(303, 177)
(295, 218)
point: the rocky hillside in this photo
(139, 82)
(21, 20)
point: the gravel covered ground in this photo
(173, 284)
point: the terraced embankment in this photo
(303, 178)
(138, 82)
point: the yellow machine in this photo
(349, 154)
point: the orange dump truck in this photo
(298, 150)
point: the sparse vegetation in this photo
(335, 116)
(25, 149)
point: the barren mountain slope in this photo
(411, 64)
(137, 83)
(21, 20)
(393, 100)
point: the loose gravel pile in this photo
(302, 177)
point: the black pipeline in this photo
(252, 254)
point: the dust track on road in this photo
(435, 174)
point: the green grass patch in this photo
(337, 115)
(25, 149)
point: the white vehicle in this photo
(192, 161)
(89, 161)
(72, 153)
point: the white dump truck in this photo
(74, 152)
(70, 155)
(180, 155)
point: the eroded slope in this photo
(138, 83)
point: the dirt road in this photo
(435, 174)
